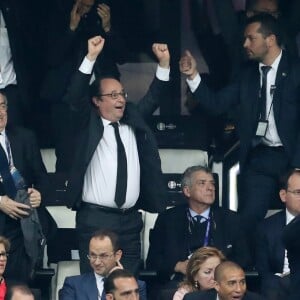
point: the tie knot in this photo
(115, 125)
(200, 219)
(265, 70)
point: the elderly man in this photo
(104, 257)
(21, 168)
(180, 230)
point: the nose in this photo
(245, 45)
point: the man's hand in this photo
(14, 209)
(188, 65)
(161, 51)
(181, 267)
(103, 11)
(35, 197)
(75, 16)
(95, 46)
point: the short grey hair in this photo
(186, 180)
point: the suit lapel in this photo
(89, 286)
(281, 76)
(95, 132)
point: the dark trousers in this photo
(260, 186)
(127, 226)
(18, 266)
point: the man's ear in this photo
(216, 286)
(109, 296)
(96, 101)
(282, 195)
(118, 254)
(186, 191)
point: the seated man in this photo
(271, 257)
(291, 241)
(121, 284)
(178, 231)
(104, 256)
(230, 284)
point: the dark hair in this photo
(22, 288)
(188, 173)
(250, 4)
(284, 179)
(109, 283)
(221, 269)
(103, 233)
(268, 26)
(5, 242)
(95, 89)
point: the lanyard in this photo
(207, 231)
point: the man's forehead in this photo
(201, 175)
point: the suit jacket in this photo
(212, 295)
(270, 250)
(152, 192)
(291, 241)
(245, 91)
(84, 287)
(27, 159)
(169, 239)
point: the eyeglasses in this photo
(101, 257)
(296, 193)
(3, 255)
(115, 95)
(3, 107)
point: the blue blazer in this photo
(84, 287)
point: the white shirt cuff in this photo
(163, 74)
(194, 83)
(86, 66)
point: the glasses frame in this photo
(115, 95)
(101, 257)
(296, 193)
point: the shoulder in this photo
(204, 295)
(174, 211)
(252, 296)
(78, 278)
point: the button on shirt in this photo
(101, 175)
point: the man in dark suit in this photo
(292, 244)
(21, 167)
(177, 232)
(269, 114)
(271, 259)
(104, 256)
(230, 284)
(94, 187)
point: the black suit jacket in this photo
(152, 192)
(292, 242)
(27, 159)
(286, 105)
(212, 295)
(270, 249)
(169, 239)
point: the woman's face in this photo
(205, 275)
(3, 259)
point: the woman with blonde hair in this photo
(200, 271)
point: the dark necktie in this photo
(121, 185)
(7, 179)
(263, 92)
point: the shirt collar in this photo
(205, 214)
(289, 216)
(107, 122)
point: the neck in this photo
(199, 208)
(270, 58)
